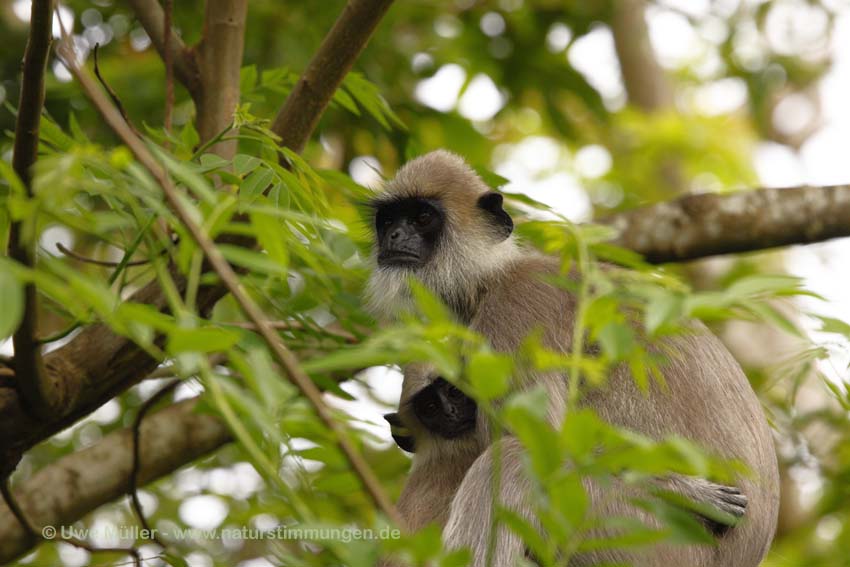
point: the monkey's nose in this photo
(395, 234)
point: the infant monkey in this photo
(439, 424)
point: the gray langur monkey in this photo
(440, 424)
(438, 221)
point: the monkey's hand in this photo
(720, 507)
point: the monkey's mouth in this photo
(399, 258)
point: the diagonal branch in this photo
(696, 226)
(300, 114)
(97, 364)
(231, 281)
(32, 380)
(71, 487)
(150, 15)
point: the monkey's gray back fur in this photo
(707, 399)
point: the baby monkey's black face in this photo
(408, 231)
(442, 409)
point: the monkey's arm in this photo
(471, 512)
(719, 506)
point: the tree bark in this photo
(152, 18)
(219, 59)
(697, 226)
(65, 491)
(333, 60)
(33, 382)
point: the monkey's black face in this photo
(408, 231)
(444, 410)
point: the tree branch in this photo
(73, 486)
(152, 18)
(696, 226)
(646, 84)
(231, 281)
(300, 114)
(219, 58)
(32, 380)
(97, 364)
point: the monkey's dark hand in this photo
(727, 499)
(719, 507)
(401, 434)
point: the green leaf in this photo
(528, 532)
(189, 136)
(247, 78)
(12, 294)
(272, 235)
(205, 339)
(255, 184)
(254, 261)
(617, 340)
(663, 308)
(489, 375)
(525, 413)
(832, 325)
(243, 164)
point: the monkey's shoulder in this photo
(522, 299)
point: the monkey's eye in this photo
(384, 222)
(424, 217)
(455, 393)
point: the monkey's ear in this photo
(491, 203)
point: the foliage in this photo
(312, 260)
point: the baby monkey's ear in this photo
(400, 433)
(491, 203)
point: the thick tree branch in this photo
(300, 114)
(65, 491)
(228, 276)
(646, 85)
(32, 380)
(152, 18)
(97, 365)
(219, 58)
(696, 226)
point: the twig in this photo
(219, 264)
(168, 59)
(119, 269)
(14, 507)
(112, 94)
(137, 459)
(94, 351)
(68, 252)
(99, 473)
(29, 366)
(299, 115)
(298, 326)
(150, 15)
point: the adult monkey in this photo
(438, 221)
